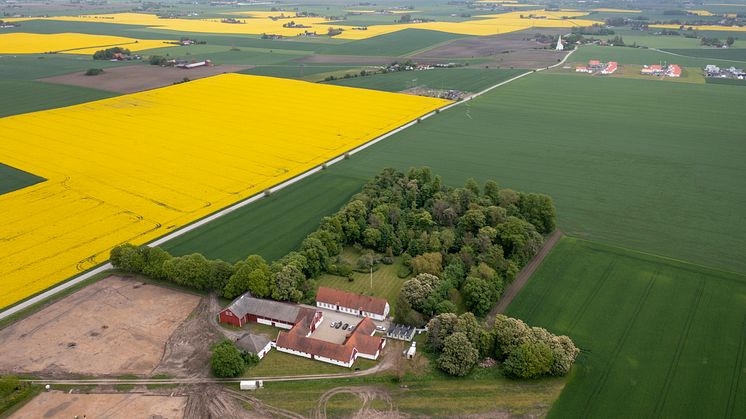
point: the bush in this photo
(94, 71)
(529, 360)
(227, 360)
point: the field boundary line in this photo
(24, 304)
(663, 51)
(525, 274)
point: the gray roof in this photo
(246, 304)
(252, 343)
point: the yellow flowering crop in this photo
(700, 12)
(70, 43)
(257, 23)
(134, 167)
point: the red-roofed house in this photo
(673, 70)
(361, 343)
(351, 303)
(611, 67)
(654, 69)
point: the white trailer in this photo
(251, 384)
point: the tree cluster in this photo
(468, 239)
(229, 361)
(525, 352)
(109, 53)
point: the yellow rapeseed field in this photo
(607, 10)
(71, 43)
(134, 167)
(257, 23)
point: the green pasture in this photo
(625, 166)
(297, 70)
(731, 54)
(34, 66)
(30, 96)
(628, 55)
(659, 338)
(12, 179)
(729, 82)
(462, 78)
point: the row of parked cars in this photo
(345, 326)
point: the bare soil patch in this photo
(136, 78)
(56, 404)
(114, 327)
(516, 49)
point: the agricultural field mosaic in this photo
(261, 131)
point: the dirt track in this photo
(366, 396)
(523, 276)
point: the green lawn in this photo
(464, 78)
(12, 179)
(278, 364)
(386, 283)
(623, 167)
(427, 394)
(659, 338)
(31, 96)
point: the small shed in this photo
(412, 351)
(254, 344)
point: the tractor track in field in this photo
(525, 274)
(619, 344)
(735, 382)
(683, 337)
(589, 299)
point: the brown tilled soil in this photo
(514, 49)
(55, 404)
(113, 327)
(139, 77)
(187, 351)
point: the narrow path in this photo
(692, 56)
(199, 223)
(523, 276)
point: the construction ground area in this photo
(56, 404)
(113, 327)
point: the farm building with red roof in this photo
(351, 303)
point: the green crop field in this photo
(465, 79)
(34, 66)
(729, 82)
(623, 167)
(12, 179)
(734, 54)
(398, 43)
(30, 96)
(659, 338)
(627, 55)
(297, 71)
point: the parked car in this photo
(381, 328)
(352, 328)
(332, 324)
(345, 326)
(338, 325)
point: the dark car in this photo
(345, 326)
(337, 326)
